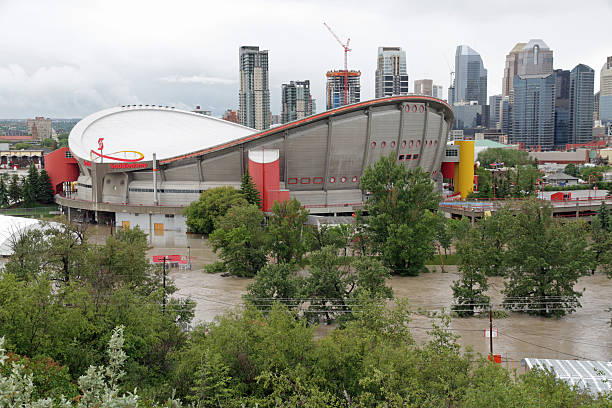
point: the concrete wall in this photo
(147, 222)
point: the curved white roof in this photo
(134, 133)
(11, 228)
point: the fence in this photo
(28, 211)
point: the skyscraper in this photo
(494, 106)
(535, 59)
(596, 106)
(533, 111)
(391, 75)
(438, 91)
(336, 94)
(511, 69)
(605, 92)
(296, 101)
(562, 107)
(254, 88)
(423, 87)
(470, 76)
(582, 79)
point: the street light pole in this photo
(189, 255)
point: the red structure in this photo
(264, 170)
(61, 167)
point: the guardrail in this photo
(28, 211)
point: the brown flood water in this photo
(584, 334)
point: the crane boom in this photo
(346, 51)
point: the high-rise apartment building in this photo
(423, 87)
(296, 101)
(562, 107)
(535, 59)
(605, 92)
(339, 95)
(582, 80)
(438, 91)
(40, 128)
(533, 111)
(254, 88)
(470, 76)
(391, 74)
(510, 69)
(494, 106)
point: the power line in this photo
(544, 347)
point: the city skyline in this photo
(72, 59)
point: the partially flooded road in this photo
(584, 334)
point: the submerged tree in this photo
(402, 224)
(544, 260)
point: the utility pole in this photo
(164, 286)
(490, 332)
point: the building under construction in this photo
(343, 88)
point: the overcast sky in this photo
(66, 59)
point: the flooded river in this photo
(585, 334)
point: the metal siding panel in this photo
(347, 144)
(385, 128)
(306, 157)
(180, 173)
(352, 196)
(412, 132)
(309, 197)
(222, 168)
(430, 150)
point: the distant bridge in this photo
(570, 208)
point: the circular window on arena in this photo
(418, 143)
(411, 143)
(383, 144)
(403, 144)
(393, 143)
(436, 143)
(373, 144)
(332, 179)
(343, 179)
(355, 179)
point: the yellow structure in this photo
(464, 172)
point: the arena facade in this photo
(142, 165)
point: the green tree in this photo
(544, 260)
(275, 281)
(22, 146)
(468, 291)
(572, 170)
(14, 189)
(402, 221)
(241, 241)
(286, 229)
(49, 143)
(317, 237)
(4, 193)
(45, 191)
(30, 187)
(213, 203)
(249, 190)
(510, 157)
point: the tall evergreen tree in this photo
(603, 216)
(14, 189)
(4, 196)
(30, 187)
(45, 188)
(249, 190)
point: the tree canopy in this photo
(213, 203)
(401, 222)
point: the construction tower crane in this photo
(346, 51)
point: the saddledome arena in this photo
(142, 165)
